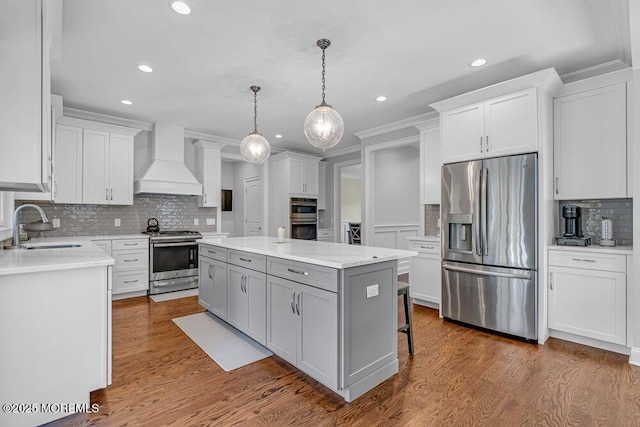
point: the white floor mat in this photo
(174, 295)
(228, 347)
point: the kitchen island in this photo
(55, 324)
(327, 308)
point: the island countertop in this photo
(334, 255)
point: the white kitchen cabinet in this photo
(587, 296)
(430, 166)
(247, 295)
(302, 327)
(67, 185)
(322, 186)
(425, 277)
(212, 286)
(131, 266)
(303, 176)
(208, 170)
(25, 106)
(496, 127)
(590, 144)
(325, 235)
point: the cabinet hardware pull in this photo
(426, 247)
(130, 244)
(244, 259)
(293, 295)
(481, 144)
(131, 281)
(551, 281)
(209, 271)
(112, 194)
(298, 304)
(130, 260)
(556, 185)
(211, 252)
(304, 273)
(486, 144)
(584, 260)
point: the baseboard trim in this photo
(634, 356)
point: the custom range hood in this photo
(167, 173)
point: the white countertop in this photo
(17, 261)
(620, 250)
(333, 255)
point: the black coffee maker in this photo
(572, 228)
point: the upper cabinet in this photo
(497, 127)
(303, 176)
(322, 186)
(430, 162)
(208, 170)
(25, 85)
(590, 144)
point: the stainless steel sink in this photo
(58, 246)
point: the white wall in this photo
(397, 188)
(241, 170)
(227, 225)
(351, 199)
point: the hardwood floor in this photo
(457, 376)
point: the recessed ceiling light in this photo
(145, 68)
(381, 98)
(479, 62)
(278, 136)
(126, 102)
(181, 7)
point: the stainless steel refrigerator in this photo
(489, 244)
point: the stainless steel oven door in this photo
(173, 260)
(305, 230)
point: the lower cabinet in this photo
(587, 296)
(247, 291)
(131, 266)
(425, 278)
(302, 327)
(212, 293)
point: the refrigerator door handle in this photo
(476, 220)
(483, 203)
(488, 273)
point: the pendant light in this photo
(255, 147)
(323, 126)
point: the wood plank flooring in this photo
(457, 376)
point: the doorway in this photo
(347, 199)
(253, 206)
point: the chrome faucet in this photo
(16, 232)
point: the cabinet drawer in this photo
(314, 275)
(426, 247)
(130, 281)
(255, 262)
(588, 260)
(130, 260)
(214, 252)
(325, 233)
(130, 244)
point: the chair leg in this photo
(407, 315)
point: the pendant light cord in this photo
(255, 111)
(323, 84)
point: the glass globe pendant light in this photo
(323, 126)
(255, 148)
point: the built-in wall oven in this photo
(303, 216)
(173, 261)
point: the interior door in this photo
(253, 206)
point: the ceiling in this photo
(414, 52)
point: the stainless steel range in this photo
(173, 260)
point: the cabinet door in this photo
(589, 303)
(430, 167)
(426, 278)
(322, 185)
(318, 334)
(205, 282)
(282, 320)
(296, 176)
(511, 124)
(462, 133)
(311, 177)
(256, 290)
(237, 298)
(218, 301)
(210, 165)
(95, 172)
(120, 169)
(67, 186)
(590, 144)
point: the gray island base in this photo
(328, 309)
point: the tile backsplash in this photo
(431, 216)
(172, 211)
(619, 210)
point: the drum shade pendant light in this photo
(324, 125)
(255, 148)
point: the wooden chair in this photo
(407, 328)
(354, 232)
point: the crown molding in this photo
(596, 70)
(211, 138)
(105, 118)
(341, 151)
(400, 124)
(429, 124)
